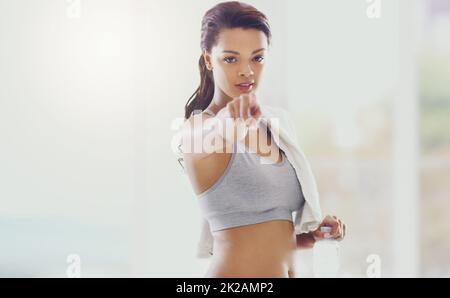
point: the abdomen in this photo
(258, 250)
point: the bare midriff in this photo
(258, 250)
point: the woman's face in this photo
(238, 57)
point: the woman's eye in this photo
(259, 58)
(227, 59)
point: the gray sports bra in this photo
(251, 191)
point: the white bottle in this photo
(326, 256)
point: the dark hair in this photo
(225, 15)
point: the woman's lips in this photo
(245, 87)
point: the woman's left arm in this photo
(307, 240)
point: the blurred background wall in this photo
(89, 91)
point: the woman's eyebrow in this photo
(237, 53)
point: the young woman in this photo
(248, 203)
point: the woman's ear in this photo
(207, 59)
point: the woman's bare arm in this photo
(305, 240)
(214, 135)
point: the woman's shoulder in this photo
(195, 143)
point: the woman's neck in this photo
(218, 102)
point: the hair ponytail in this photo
(202, 97)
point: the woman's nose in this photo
(247, 71)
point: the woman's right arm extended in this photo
(204, 136)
